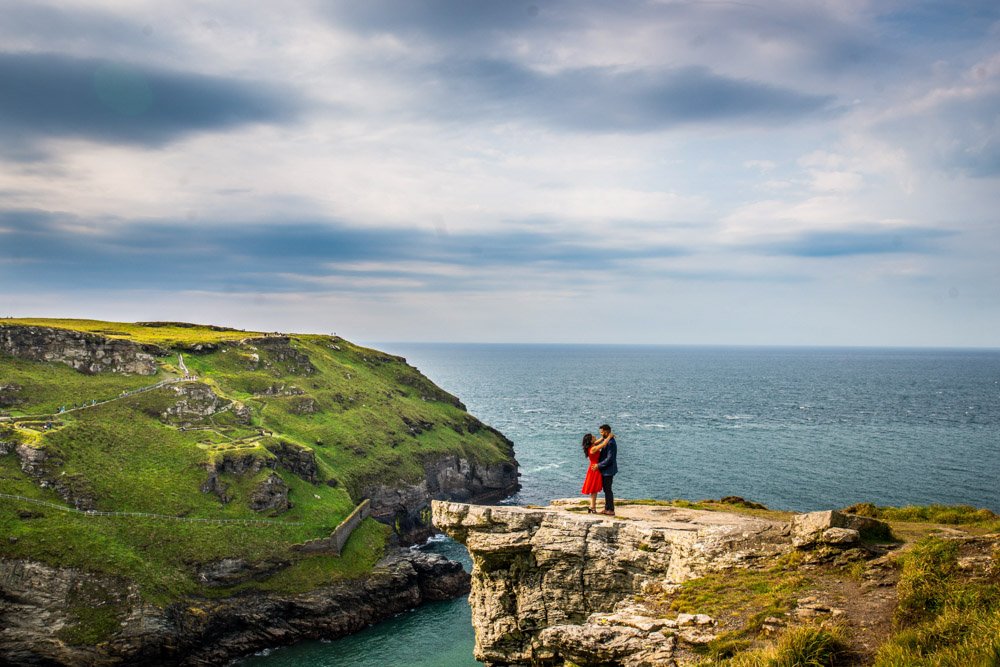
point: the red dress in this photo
(592, 482)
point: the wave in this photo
(546, 466)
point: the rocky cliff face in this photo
(549, 585)
(406, 507)
(41, 607)
(87, 353)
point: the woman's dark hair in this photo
(588, 441)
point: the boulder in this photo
(810, 529)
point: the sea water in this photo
(798, 428)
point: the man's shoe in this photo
(607, 513)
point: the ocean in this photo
(793, 428)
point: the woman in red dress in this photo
(592, 482)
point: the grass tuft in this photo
(799, 646)
(945, 617)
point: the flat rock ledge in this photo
(551, 585)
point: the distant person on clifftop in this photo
(607, 464)
(592, 482)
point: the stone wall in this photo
(338, 538)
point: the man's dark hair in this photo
(605, 427)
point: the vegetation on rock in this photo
(293, 426)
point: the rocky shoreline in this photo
(201, 631)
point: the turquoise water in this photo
(799, 429)
(438, 634)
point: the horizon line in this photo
(827, 346)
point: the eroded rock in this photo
(546, 582)
(271, 495)
(85, 352)
(195, 401)
(406, 507)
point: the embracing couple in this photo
(603, 456)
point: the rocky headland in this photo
(186, 494)
(557, 586)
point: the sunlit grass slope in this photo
(362, 415)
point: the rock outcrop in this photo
(38, 613)
(406, 507)
(195, 401)
(10, 394)
(46, 469)
(295, 458)
(86, 352)
(550, 585)
(270, 495)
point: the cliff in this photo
(85, 352)
(42, 606)
(553, 586)
(173, 463)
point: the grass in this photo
(945, 617)
(168, 335)
(47, 387)
(741, 600)
(799, 646)
(365, 416)
(966, 516)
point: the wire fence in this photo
(145, 515)
(94, 404)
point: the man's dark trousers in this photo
(607, 463)
(609, 496)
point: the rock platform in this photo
(555, 584)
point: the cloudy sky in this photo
(659, 171)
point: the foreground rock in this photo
(551, 585)
(39, 606)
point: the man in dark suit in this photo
(607, 463)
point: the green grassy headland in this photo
(363, 415)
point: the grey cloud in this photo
(609, 99)
(484, 26)
(859, 241)
(52, 95)
(58, 26)
(251, 257)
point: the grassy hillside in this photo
(323, 415)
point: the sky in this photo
(788, 172)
